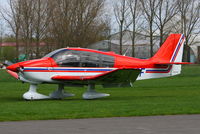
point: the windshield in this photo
(51, 54)
(73, 58)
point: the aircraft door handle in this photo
(50, 68)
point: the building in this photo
(142, 45)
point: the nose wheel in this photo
(32, 94)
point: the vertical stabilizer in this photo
(167, 60)
(171, 50)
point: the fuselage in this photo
(79, 62)
(80, 66)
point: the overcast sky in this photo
(3, 3)
(3, 28)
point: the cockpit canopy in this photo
(75, 58)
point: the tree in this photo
(12, 17)
(135, 9)
(1, 32)
(189, 11)
(167, 9)
(150, 7)
(27, 27)
(41, 21)
(77, 22)
(62, 23)
(121, 11)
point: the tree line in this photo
(159, 18)
(59, 24)
(79, 23)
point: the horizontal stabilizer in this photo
(172, 63)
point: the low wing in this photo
(118, 76)
(64, 77)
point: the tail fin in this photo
(171, 54)
(172, 49)
(167, 60)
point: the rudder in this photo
(171, 50)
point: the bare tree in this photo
(135, 9)
(150, 7)
(12, 17)
(48, 32)
(1, 32)
(27, 28)
(166, 11)
(121, 11)
(77, 22)
(88, 16)
(41, 21)
(190, 18)
(1, 35)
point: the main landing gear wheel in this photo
(92, 94)
(60, 93)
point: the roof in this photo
(125, 42)
(13, 44)
(129, 42)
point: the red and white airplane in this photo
(80, 66)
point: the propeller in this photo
(20, 69)
(14, 74)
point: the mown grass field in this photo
(166, 96)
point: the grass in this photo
(166, 96)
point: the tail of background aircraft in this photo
(167, 61)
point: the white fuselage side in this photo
(44, 74)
